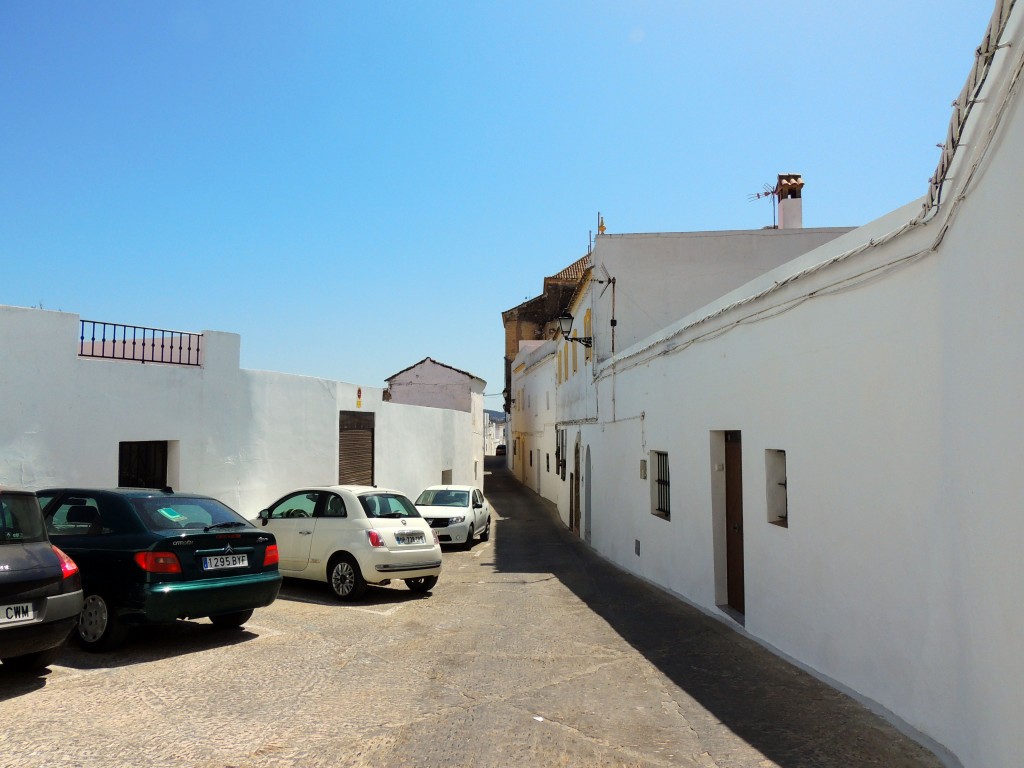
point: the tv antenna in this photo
(768, 191)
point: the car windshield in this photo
(387, 505)
(442, 497)
(166, 513)
(20, 519)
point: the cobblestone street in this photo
(530, 652)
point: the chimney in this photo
(788, 190)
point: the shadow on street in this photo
(788, 715)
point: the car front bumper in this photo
(456, 533)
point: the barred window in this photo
(660, 489)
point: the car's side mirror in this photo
(264, 515)
(478, 505)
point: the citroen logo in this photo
(227, 549)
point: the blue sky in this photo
(352, 187)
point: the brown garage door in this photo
(355, 448)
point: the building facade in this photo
(208, 425)
(826, 455)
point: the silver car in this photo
(457, 513)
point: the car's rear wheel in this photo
(231, 620)
(469, 538)
(486, 535)
(421, 584)
(36, 660)
(345, 579)
(99, 627)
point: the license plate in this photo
(409, 538)
(11, 614)
(216, 562)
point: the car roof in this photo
(450, 488)
(131, 493)
(357, 490)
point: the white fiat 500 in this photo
(351, 536)
(457, 513)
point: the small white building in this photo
(78, 407)
(436, 385)
(827, 455)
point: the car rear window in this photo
(20, 519)
(173, 514)
(388, 505)
(440, 497)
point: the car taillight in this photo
(271, 556)
(67, 565)
(436, 540)
(158, 562)
(375, 539)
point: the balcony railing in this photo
(116, 341)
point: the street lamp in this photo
(565, 325)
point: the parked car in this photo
(151, 556)
(500, 450)
(457, 513)
(351, 536)
(40, 586)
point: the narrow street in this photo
(530, 651)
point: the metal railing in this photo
(116, 341)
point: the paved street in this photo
(530, 652)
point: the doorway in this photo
(586, 497)
(734, 519)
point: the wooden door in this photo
(734, 519)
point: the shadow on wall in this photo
(791, 717)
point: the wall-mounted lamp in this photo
(565, 325)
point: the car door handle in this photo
(305, 533)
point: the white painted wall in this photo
(660, 277)
(242, 436)
(893, 381)
(533, 419)
(431, 384)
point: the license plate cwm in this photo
(9, 614)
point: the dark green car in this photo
(151, 556)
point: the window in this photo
(531, 458)
(142, 464)
(575, 356)
(558, 372)
(775, 487)
(660, 495)
(565, 363)
(547, 462)
(588, 331)
(301, 504)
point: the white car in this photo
(351, 536)
(457, 513)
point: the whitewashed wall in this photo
(897, 398)
(429, 383)
(242, 436)
(533, 419)
(661, 276)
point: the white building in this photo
(436, 385)
(202, 423)
(495, 431)
(828, 456)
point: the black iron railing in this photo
(116, 341)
